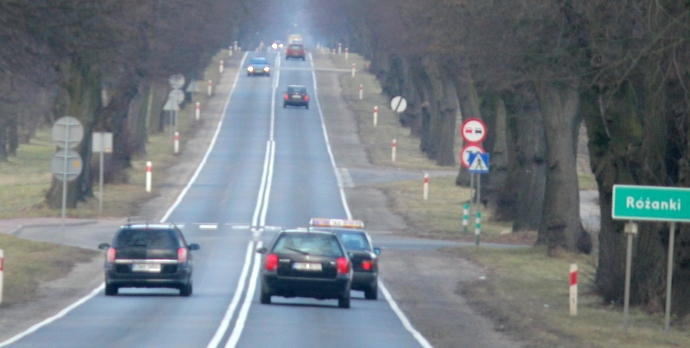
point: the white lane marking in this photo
(258, 220)
(208, 226)
(165, 217)
(328, 143)
(391, 302)
(238, 226)
(406, 322)
(218, 336)
(57, 316)
(248, 297)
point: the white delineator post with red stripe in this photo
(426, 186)
(573, 289)
(220, 66)
(353, 69)
(197, 112)
(394, 145)
(361, 91)
(176, 143)
(2, 271)
(148, 176)
(209, 90)
(376, 114)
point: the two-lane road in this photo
(268, 166)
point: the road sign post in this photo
(651, 203)
(102, 143)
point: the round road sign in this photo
(473, 130)
(176, 81)
(398, 104)
(67, 130)
(67, 172)
(465, 153)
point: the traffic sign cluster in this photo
(473, 156)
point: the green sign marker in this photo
(655, 203)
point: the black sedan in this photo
(148, 256)
(258, 66)
(296, 95)
(301, 263)
(363, 255)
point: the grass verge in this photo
(525, 292)
(24, 180)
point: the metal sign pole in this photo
(631, 231)
(100, 175)
(669, 275)
(471, 192)
(64, 184)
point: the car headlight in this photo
(267, 69)
(250, 69)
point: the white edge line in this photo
(220, 332)
(57, 316)
(406, 322)
(248, 297)
(269, 183)
(343, 198)
(210, 147)
(391, 302)
(95, 291)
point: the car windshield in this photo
(354, 241)
(258, 60)
(152, 239)
(296, 89)
(308, 244)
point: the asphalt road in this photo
(234, 203)
(269, 166)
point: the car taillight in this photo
(285, 96)
(111, 255)
(343, 266)
(182, 255)
(367, 265)
(306, 98)
(271, 262)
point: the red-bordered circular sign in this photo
(473, 130)
(465, 153)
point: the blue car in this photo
(258, 66)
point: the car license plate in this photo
(296, 96)
(146, 267)
(306, 266)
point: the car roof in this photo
(306, 232)
(296, 86)
(149, 226)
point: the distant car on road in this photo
(362, 253)
(294, 51)
(296, 95)
(147, 255)
(302, 263)
(258, 66)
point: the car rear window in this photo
(354, 241)
(302, 90)
(308, 244)
(150, 239)
(295, 47)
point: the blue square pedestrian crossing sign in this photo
(479, 163)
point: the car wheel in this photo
(265, 298)
(302, 58)
(110, 290)
(344, 301)
(248, 74)
(371, 293)
(307, 106)
(186, 290)
(284, 105)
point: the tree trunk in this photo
(496, 194)
(468, 101)
(561, 226)
(82, 93)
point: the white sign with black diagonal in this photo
(479, 163)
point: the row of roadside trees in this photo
(535, 71)
(106, 63)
